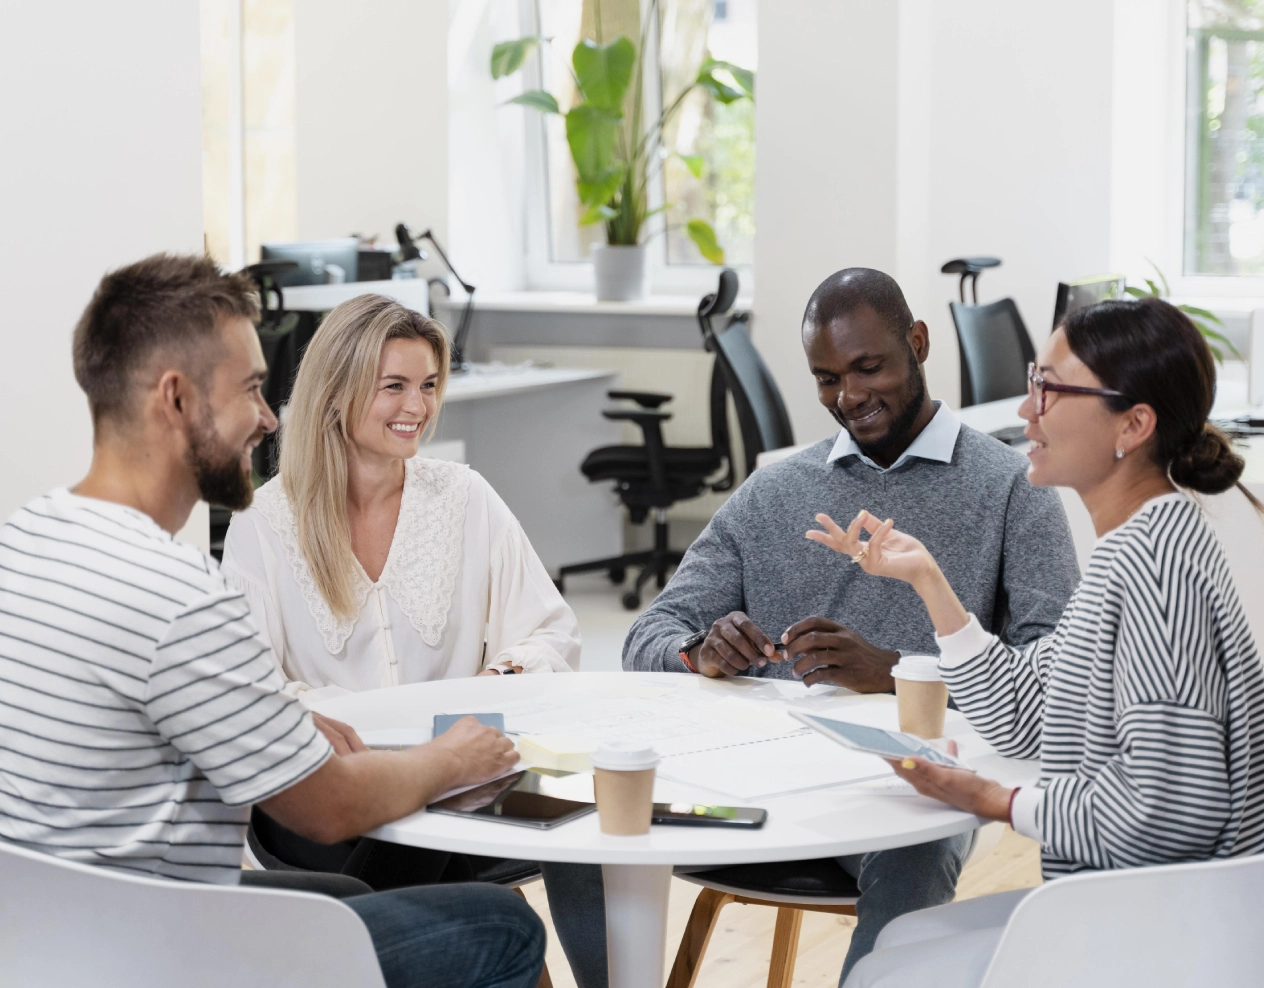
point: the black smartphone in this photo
(703, 815)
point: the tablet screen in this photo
(888, 744)
(528, 799)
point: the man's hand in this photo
(475, 752)
(830, 653)
(734, 644)
(342, 736)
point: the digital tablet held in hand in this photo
(876, 741)
(534, 798)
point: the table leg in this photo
(636, 923)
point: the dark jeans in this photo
(441, 936)
(576, 900)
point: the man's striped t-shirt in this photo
(140, 713)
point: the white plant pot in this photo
(621, 272)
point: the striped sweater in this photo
(1145, 706)
(140, 713)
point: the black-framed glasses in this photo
(1038, 387)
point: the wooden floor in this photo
(738, 954)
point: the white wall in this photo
(100, 112)
(900, 135)
(371, 116)
(825, 184)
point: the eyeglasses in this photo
(1038, 387)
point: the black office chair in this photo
(654, 476)
(994, 344)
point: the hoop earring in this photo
(1119, 454)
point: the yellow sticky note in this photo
(556, 751)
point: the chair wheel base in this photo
(618, 574)
(631, 601)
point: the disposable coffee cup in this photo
(921, 695)
(623, 779)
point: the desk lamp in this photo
(409, 251)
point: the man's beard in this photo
(897, 438)
(217, 469)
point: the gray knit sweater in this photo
(1004, 546)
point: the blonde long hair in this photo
(332, 392)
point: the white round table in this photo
(637, 870)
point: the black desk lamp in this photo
(409, 251)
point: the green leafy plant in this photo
(616, 149)
(1205, 320)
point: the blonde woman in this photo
(366, 566)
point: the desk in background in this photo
(526, 429)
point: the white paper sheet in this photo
(674, 723)
(774, 767)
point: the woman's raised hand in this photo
(887, 553)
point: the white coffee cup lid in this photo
(624, 756)
(917, 668)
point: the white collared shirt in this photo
(935, 442)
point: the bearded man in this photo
(143, 713)
(752, 581)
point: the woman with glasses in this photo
(1146, 704)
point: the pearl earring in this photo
(1119, 454)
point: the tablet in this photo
(876, 740)
(534, 798)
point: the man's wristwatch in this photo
(687, 645)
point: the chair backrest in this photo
(64, 924)
(761, 413)
(1163, 927)
(995, 351)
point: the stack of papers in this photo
(719, 743)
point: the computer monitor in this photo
(1074, 295)
(315, 258)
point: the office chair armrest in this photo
(640, 416)
(651, 423)
(646, 399)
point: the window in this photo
(1224, 174)
(249, 194)
(721, 135)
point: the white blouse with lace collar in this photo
(460, 573)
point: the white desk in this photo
(637, 870)
(526, 429)
(412, 292)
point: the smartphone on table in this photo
(706, 815)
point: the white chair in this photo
(67, 925)
(1172, 926)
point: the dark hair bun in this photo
(1208, 465)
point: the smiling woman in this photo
(367, 565)
(1146, 704)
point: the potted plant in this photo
(616, 149)
(1206, 321)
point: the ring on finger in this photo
(860, 556)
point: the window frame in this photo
(541, 271)
(1182, 160)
